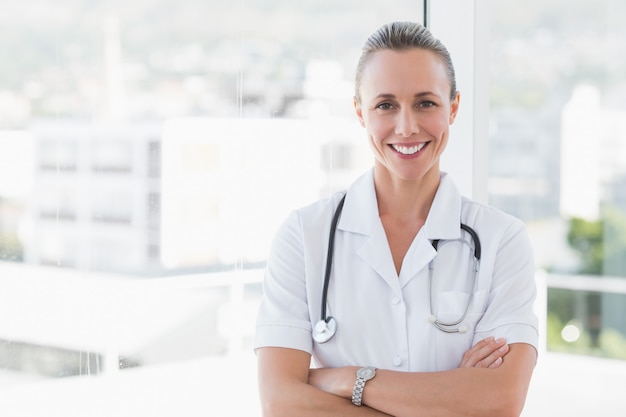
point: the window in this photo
(154, 149)
(556, 158)
(149, 150)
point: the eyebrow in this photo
(418, 95)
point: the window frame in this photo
(466, 35)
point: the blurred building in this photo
(16, 181)
(147, 199)
(225, 192)
(524, 172)
(593, 152)
(96, 197)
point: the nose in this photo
(406, 123)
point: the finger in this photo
(477, 352)
(495, 358)
(484, 353)
(496, 363)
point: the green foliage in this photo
(600, 243)
(10, 249)
(587, 238)
(614, 242)
(612, 344)
(561, 303)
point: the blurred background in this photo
(150, 149)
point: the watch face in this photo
(366, 373)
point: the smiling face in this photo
(405, 106)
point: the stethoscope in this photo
(326, 327)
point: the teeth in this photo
(408, 150)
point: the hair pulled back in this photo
(403, 36)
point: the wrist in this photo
(362, 376)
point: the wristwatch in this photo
(362, 376)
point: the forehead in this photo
(412, 71)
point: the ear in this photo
(358, 110)
(454, 107)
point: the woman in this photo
(435, 342)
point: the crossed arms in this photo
(492, 380)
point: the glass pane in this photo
(148, 152)
(557, 152)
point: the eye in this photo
(384, 106)
(426, 104)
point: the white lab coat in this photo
(382, 318)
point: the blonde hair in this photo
(402, 36)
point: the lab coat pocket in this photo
(450, 308)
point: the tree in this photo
(600, 243)
(587, 238)
(602, 247)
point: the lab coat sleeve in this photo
(510, 309)
(283, 319)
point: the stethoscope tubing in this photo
(326, 327)
(329, 256)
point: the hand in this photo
(488, 353)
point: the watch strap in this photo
(359, 386)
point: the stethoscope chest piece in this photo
(324, 330)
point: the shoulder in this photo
(484, 215)
(499, 231)
(309, 220)
(504, 238)
(320, 213)
(320, 208)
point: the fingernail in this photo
(504, 348)
(500, 340)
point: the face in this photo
(406, 109)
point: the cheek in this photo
(436, 126)
(378, 127)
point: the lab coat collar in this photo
(444, 216)
(360, 211)
(360, 215)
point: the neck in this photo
(405, 200)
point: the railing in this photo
(215, 313)
(614, 285)
(592, 307)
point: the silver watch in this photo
(362, 376)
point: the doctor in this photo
(389, 285)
